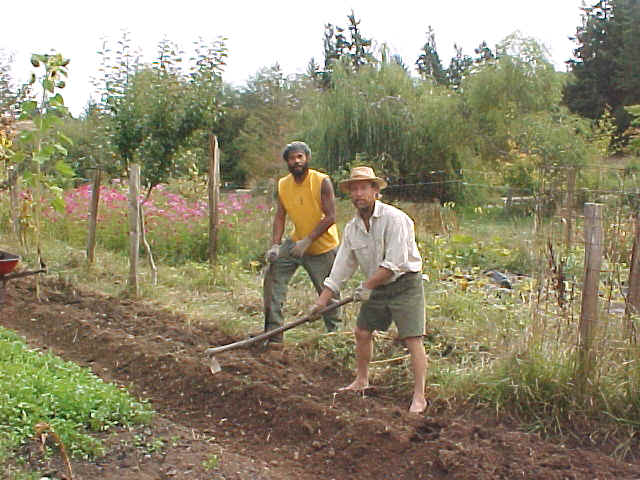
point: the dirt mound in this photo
(269, 414)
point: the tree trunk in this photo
(143, 237)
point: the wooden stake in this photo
(93, 216)
(593, 240)
(134, 227)
(633, 296)
(214, 197)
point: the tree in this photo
(343, 45)
(10, 95)
(271, 102)
(428, 63)
(382, 117)
(458, 68)
(154, 109)
(594, 61)
(40, 153)
(606, 64)
(519, 81)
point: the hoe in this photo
(215, 366)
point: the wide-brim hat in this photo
(359, 174)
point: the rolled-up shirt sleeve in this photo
(396, 240)
(343, 268)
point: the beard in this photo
(299, 171)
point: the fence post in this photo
(633, 295)
(134, 227)
(593, 240)
(214, 196)
(93, 216)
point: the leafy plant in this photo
(41, 152)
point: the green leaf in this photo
(40, 157)
(60, 149)
(58, 203)
(48, 85)
(64, 169)
(64, 138)
(18, 157)
(29, 106)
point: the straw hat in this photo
(359, 174)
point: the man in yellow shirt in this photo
(307, 197)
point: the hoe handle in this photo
(275, 331)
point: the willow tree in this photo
(382, 116)
(519, 81)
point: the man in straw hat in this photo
(380, 239)
(307, 197)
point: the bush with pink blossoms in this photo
(176, 226)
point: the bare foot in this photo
(418, 405)
(357, 386)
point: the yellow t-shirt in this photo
(303, 204)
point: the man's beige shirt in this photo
(389, 243)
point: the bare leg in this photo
(364, 351)
(419, 366)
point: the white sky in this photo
(261, 33)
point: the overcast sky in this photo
(261, 33)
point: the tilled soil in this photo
(269, 414)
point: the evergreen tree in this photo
(606, 63)
(342, 45)
(458, 68)
(428, 63)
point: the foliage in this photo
(606, 63)
(520, 81)
(382, 117)
(40, 152)
(634, 130)
(154, 109)
(428, 63)
(42, 388)
(345, 46)
(176, 223)
(11, 96)
(271, 102)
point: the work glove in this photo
(300, 247)
(316, 307)
(273, 253)
(362, 293)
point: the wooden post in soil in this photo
(93, 216)
(134, 227)
(633, 296)
(214, 197)
(593, 242)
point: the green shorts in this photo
(401, 302)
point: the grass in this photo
(39, 387)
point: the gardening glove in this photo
(316, 307)
(273, 253)
(362, 293)
(300, 247)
